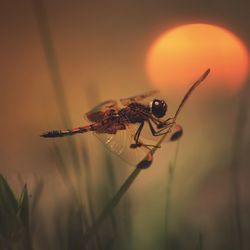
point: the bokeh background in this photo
(84, 52)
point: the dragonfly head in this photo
(158, 108)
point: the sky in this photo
(100, 48)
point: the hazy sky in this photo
(101, 42)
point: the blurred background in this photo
(60, 58)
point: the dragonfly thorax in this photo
(135, 112)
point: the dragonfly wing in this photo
(138, 98)
(97, 113)
(120, 144)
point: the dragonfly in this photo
(121, 125)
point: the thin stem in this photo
(236, 161)
(172, 167)
(112, 204)
(39, 9)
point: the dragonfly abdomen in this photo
(68, 132)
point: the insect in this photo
(121, 128)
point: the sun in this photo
(180, 55)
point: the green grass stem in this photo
(112, 204)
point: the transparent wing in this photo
(96, 114)
(119, 143)
(138, 98)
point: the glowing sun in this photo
(180, 55)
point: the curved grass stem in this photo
(145, 163)
(111, 205)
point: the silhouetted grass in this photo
(14, 218)
(40, 13)
(112, 204)
(240, 128)
(169, 191)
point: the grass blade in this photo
(23, 211)
(8, 201)
(172, 167)
(112, 204)
(53, 66)
(23, 214)
(240, 129)
(40, 13)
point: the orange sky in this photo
(101, 43)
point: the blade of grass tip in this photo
(169, 190)
(240, 128)
(23, 214)
(40, 14)
(112, 204)
(9, 223)
(8, 199)
(23, 211)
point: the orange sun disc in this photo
(181, 54)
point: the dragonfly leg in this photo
(166, 123)
(137, 136)
(138, 133)
(174, 137)
(159, 132)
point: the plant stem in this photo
(112, 204)
(236, 162)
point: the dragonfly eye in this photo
(158, 108)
